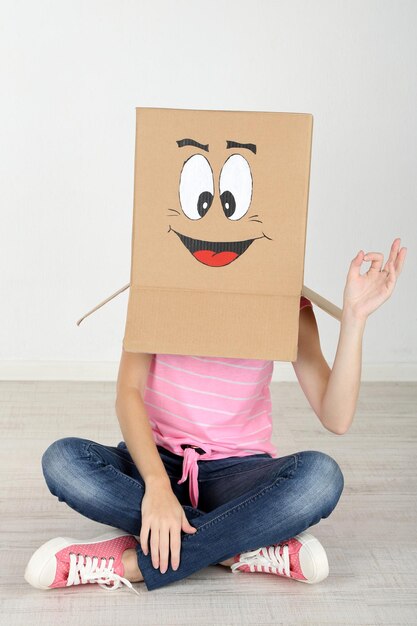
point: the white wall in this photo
(72, 73)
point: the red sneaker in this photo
(64, 561)
(302, 558)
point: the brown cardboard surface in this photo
(316, 298)
(219, 233)
(188, 296)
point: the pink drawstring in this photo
(190, 468)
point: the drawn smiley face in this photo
(197, 193)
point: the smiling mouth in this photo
(215, 253)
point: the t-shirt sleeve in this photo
(305, 302)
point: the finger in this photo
(175, 544)
(185, 524)
(400, 261)
(143, 537)
(155, 546)
(391, 277)
(163, 548)
(355, 265)
(377, 259)
(189, 529)
(393, 252)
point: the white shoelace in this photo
(270, 558)
(89, 571)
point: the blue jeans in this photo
(244, 502)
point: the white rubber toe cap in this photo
(40, 572)
(313, 558)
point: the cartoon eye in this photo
(235, 187)
(196, 187)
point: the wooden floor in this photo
(370, 538)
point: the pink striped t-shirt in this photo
(220, 407)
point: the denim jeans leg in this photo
(102, 482)
(299, 491)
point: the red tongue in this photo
(216, 259)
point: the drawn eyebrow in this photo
(235, 144)
(192, 142)
(230, 144)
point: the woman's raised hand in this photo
(366, 292)
(164, 517)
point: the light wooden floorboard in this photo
(370, 538)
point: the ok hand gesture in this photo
(364, 293)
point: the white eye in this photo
(196, 187)
(235, 187)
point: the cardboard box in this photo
(219, 233)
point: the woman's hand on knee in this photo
(164, 517)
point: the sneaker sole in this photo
(42, 555)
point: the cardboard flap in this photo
(98, 306)
(322, 303)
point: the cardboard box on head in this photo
(219, 233)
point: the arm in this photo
(163, 517)
(133, 419)
(311, 368)
(333, 394)
(341, 395)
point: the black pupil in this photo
(228, 203)
(204, 202)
